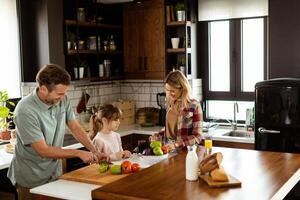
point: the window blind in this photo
(210, 10)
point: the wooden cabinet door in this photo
(233, 144)
(144, 46)
(133, 39)
(154, 40)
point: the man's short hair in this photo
(51, 75)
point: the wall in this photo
(284, 41)
(143, 92)
(41, 35)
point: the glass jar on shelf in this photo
(105, 45)
(91, 43)
(81, 45)
(81, 14)
(112, 45)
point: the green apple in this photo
(157, 151)
(154, 144)
(115, 169)
(103, 166)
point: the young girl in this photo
(103, 124)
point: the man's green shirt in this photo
(37, 121)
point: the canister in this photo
(81, 14)
(106, 63)
(91, 43)
(101, 70)
(81, 44)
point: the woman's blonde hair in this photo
(108, 111)
(177, 79)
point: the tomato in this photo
(135, 167)
(126, 167)
(165, 149)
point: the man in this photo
(41, 119)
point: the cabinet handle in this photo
(263, 130)
(145, 62)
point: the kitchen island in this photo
(264, 175)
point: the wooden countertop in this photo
(262, 174)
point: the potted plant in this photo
(80, 68)
(71, 39)
(181, 65)
(5, 115)
(180, 11)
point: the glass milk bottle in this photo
(191, 164)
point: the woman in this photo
(184, 114)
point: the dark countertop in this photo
(69, 140)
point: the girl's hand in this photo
(119, 155)
(126, 154)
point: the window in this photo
(10, 50)
(236, 61)
(252, 53)
(219, 57)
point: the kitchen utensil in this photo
(161, 102)
(82, 103)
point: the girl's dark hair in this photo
(107, 111)
(51, 75)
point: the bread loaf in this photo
(219, 174)
(210, 163)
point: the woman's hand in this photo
(155, 137)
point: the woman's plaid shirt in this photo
(189, 124)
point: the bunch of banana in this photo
(212, 165)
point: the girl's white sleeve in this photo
(99, 145)
(120, 142)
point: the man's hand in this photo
(88, 157)
(102, 156)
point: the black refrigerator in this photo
(277, 115)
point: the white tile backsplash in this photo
(143, 92)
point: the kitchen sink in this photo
(238, 133)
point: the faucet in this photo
(235, 111)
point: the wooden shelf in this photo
(75, 52)
(179, 50)
(85, 51)
(91, 24)
(179, 23)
